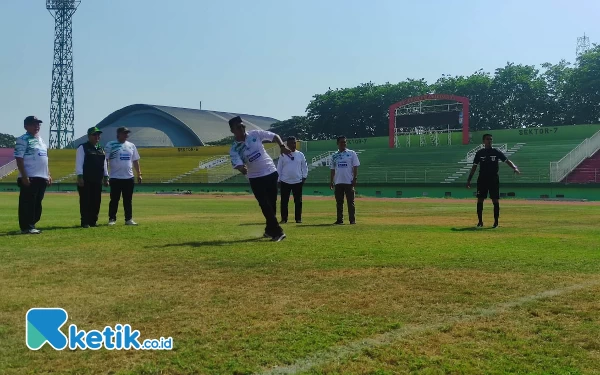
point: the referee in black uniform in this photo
(488, 181)
(90, 166)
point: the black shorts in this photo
(489, 186)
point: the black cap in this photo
(235, 121)
(30, 120)
(94, 130)
(123, 129)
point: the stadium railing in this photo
(587, 148)
(8, 168)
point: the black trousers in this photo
(90, 197)
(265, 192)
(340, 191)
(296, 190)
(120, 187)
(30, 202)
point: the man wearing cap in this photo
(248, 155)
(122, 157)
(292, 172)
(90, 166)
(31, 154)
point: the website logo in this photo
(43, 326)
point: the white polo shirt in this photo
(292, 169)
(252, 153)
(120, 158)
(34, 153)
(343, 163)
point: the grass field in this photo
(411, 288)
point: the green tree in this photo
(476, 87)
(297, 126)
(519, 96)
(584, 88)
(7, 141)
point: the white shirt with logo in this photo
(34, 153)
(252, 153)
(343, 163)
(292, 168)
(120, 158)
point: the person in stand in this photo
(488, 181)
(344, 171)
(122, 157)
(249, 157)
(293, 172)
(31, 154)
(92, 173)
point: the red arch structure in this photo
(460, 99)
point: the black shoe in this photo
(283, 221)
(298, 221)
(352, 222)
(93, 225)
(339, 222)
(281, 237)
(265, 235)
(495, 225)
(85, 226)
(480, 225)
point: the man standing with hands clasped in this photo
(292, 172)
(248, 155)
(122, 156)
(31, 154)
(90, 166)
(344, 170)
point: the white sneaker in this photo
(130, 222)
(31, 231)
(279, 238)
(112, 222)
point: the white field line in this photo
(336, 353)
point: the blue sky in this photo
(267, 57)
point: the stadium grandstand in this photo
(562, 154)
(161, 126)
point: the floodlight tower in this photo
(62, 103)
(583, 45)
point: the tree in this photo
(559, 93)
(519, 96)
(7, 141)
(584, 88)
(221, 142)
(359, 111)
(297, 126)
(476, 87)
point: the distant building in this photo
(160, 126)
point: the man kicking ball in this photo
(248, 156)
(488, 180)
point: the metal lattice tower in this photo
(583, 45)
(62, 102)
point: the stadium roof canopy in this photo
(161, 126)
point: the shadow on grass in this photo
(250, 224)
(56, 227)
(13, 233)
(469, 229)
(212, 243)
(44, 229)
(318, 225)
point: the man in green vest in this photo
(90, 166)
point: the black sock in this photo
(496, 211)
(480, 211)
